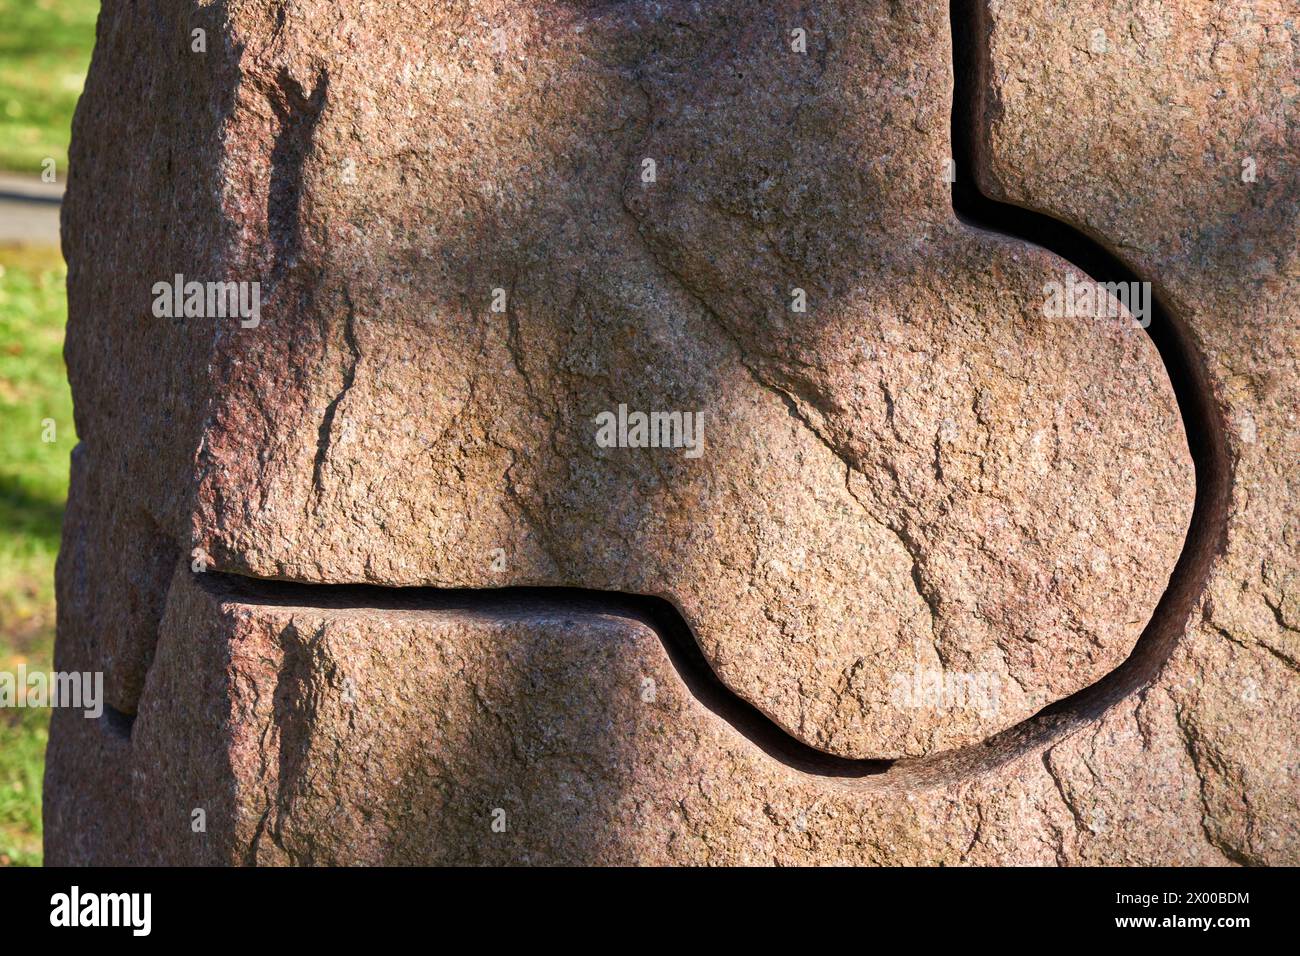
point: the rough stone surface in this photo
(916, 475)
(341, 734)
(1179, 101)
(919, 475)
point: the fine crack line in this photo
(325, 434)
(1186, 734)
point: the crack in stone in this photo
(325, 434)
(1233, 853)
(1287, 661)
(1060, 789)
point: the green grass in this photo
(45, 49)
(33, 488)
(44, 52)
(22, 740)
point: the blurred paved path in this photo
(29, 210)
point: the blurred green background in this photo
(44, 52)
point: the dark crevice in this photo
(116, 723)
(504, 603)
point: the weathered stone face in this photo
(914, 512)
(916, 474)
